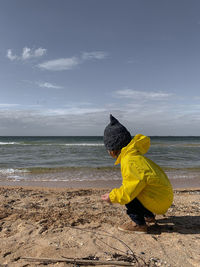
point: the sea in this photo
(84, 158)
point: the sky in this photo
(66, 65)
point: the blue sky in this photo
(65, 65)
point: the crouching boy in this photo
(145, 189)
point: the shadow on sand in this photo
(178, 224)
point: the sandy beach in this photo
(61, 223)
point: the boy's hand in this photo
(106, 198)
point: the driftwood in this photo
(80, 261)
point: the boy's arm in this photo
(127, 192)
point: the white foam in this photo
(53, 144)
(84, 144)
(9, 143)
(15, 177)
(11, 171)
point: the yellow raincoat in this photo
(142, 178)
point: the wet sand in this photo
(176, 183)
(75, 223)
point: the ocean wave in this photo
(89, 171)
(93, 144)
(82, 174)
(84, 144)
(9, 143)
(175, 145)
(182, 169)
(50, 144)
(38, 170)
(12, 171)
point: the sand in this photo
(75, 223)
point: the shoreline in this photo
(176, 183)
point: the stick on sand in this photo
(80, 261)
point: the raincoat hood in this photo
(140, 144)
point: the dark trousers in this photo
(136, 211)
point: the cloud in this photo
(71, 62)
(73, 111)
(94, 55)
(40, 52)
(10, 55)
(8, 105)
(48, 85)
(27, 53)
(143, 95)
(60, 64)
(86, 119)
(73, 121)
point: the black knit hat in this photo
(116, 136)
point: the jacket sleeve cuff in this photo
(112, 197)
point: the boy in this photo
(145, 187)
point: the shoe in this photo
(133, 228)
(150, 219)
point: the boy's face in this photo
(114, 154)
